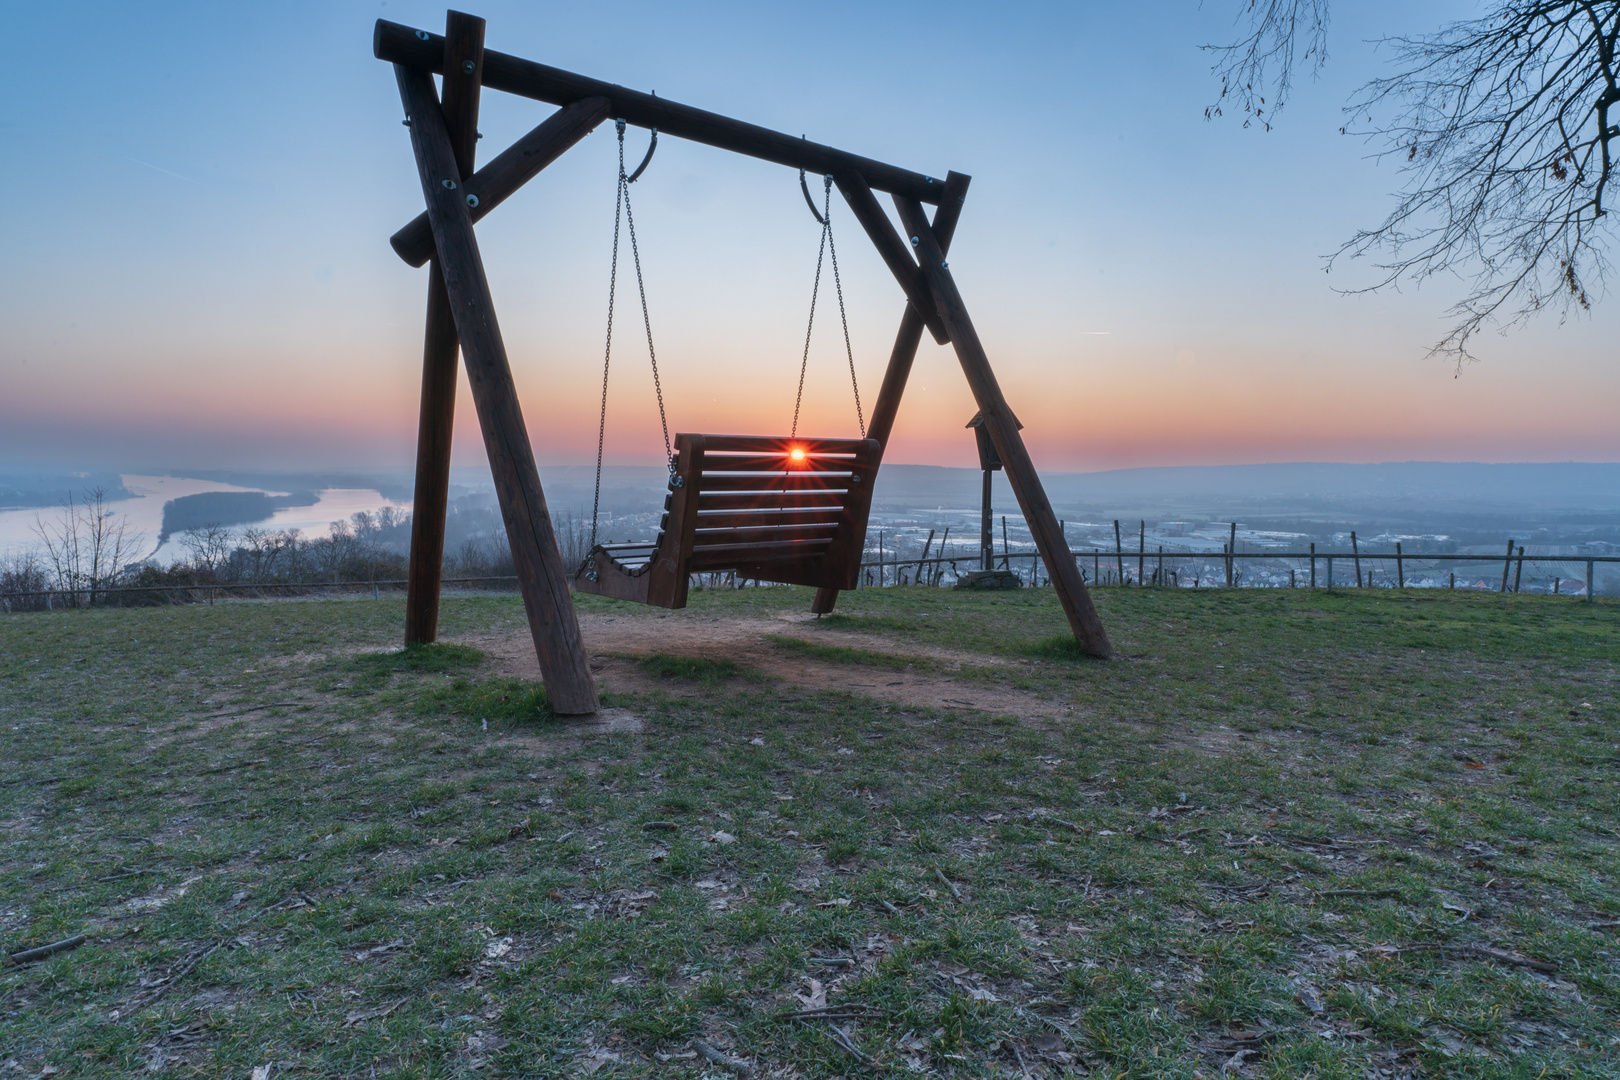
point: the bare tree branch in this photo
(1281, 34)
(1501, 127)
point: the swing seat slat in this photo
(765, 507)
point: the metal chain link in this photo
(646, 319)
(827, 247)
(622, 212)
(838, 285)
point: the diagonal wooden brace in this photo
(904, 352)
(1003, 428)
(553, 621)
(510, 170)
(896, 253)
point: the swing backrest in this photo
(777, 509)
(765, 507)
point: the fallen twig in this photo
(378, 1013)
(1482, 952)
(1502, 956)
(948, 882)
(841, 1037)
(723, 1059)
(1368, 894)
(151, 995)
(848, 1011)
(28, 956)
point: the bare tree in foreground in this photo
(87, 546)
(1501, 126)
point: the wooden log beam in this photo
(419, 49)
(904, 352)
(464, 51)
(909, 338)
(896, 252)
(509, 170)
(1003, 428)
(538, 563)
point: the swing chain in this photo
(827, 248)
(623, 213)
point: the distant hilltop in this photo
(22, 489)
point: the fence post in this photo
(1313, 564)
(1454, 579)
(1400, 567)
(1519, 574)
(1588, 581)
(1119, 553)
(1330, 571)
(1096, 572)
(1507, 565)
(1158, 575)
(1355, 551)
(1231, 550)
(1141, 551)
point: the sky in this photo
(195, 269)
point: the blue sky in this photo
(196, 267)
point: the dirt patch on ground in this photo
(616, 642)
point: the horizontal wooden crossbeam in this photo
(414, 48)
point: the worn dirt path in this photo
(616, 642)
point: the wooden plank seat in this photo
(766, 507)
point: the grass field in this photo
(1288, 834)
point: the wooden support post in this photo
(1141, 551)
(1519, 574)
(1231, 550)
(904, 352)
(1119, 554)
(1313, 565)
(1400, 567)
(552, 620)
(463, 46)
(987, 545)
(1355, 550)
(1003, 428)
(1158, 575)
(1507, 566)
(1588, 580)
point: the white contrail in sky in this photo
(166, 172)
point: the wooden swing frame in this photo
(461, 316)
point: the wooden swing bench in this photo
(765, 507)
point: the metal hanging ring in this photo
(651, 146)
(808, 201)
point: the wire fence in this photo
(1571, 575)
(1556, 574)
